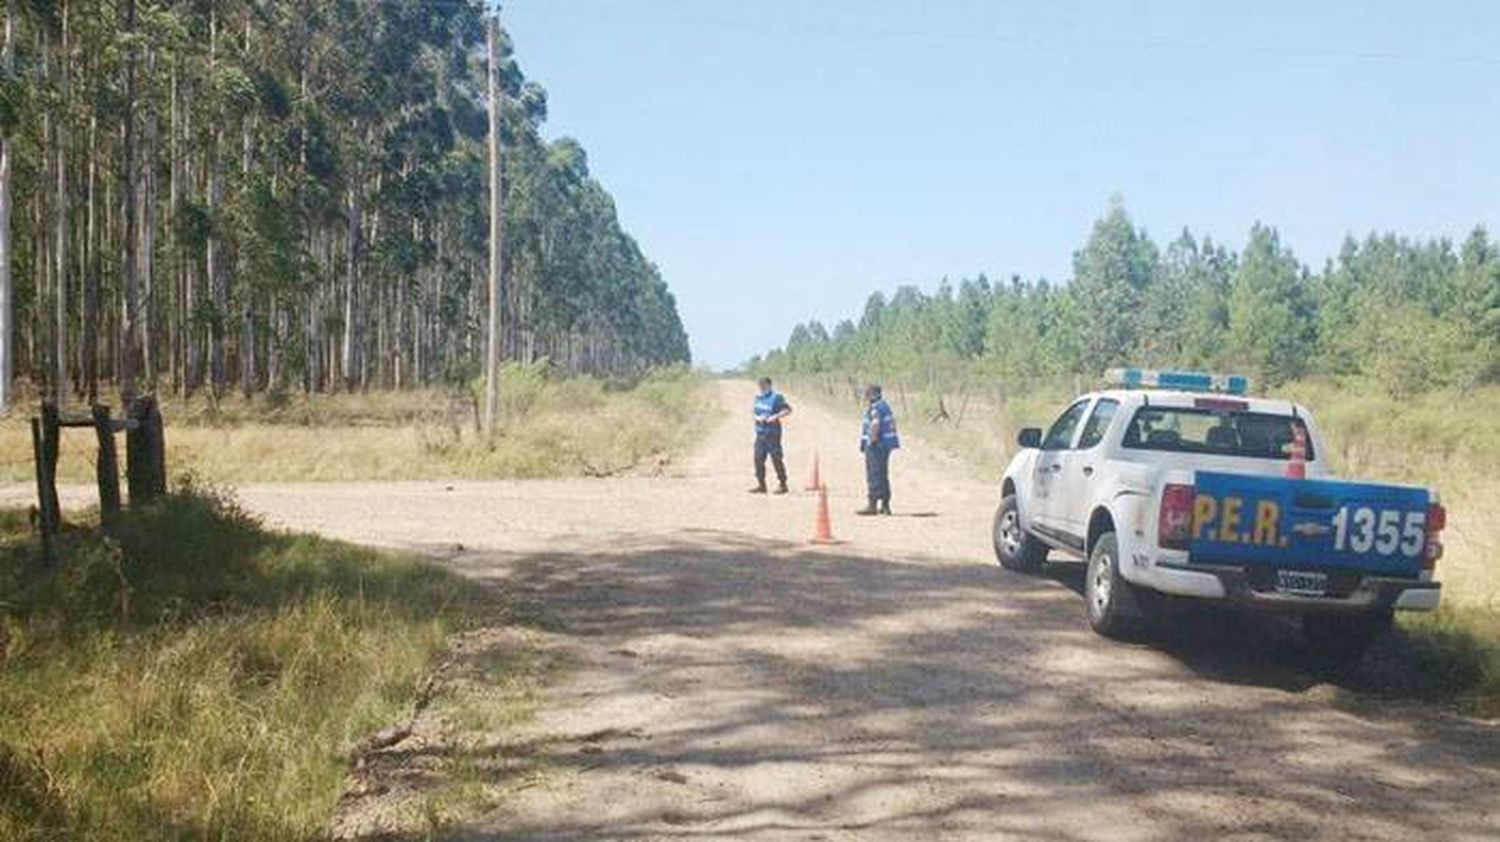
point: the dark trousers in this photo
(878, 472)
(769, 444)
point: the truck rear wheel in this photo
(1114, 610)
(1336, 639)
(1015, 548)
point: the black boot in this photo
(759, 489)
(885, 506)
(781, 488)
(869, 509)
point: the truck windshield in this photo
(1253, 435)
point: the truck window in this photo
(1060, 435)
(1253, 435)
(1093, 431)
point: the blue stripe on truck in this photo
(1308, 524)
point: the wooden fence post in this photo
(51, 442)
(145, 451)
(46, 490)
(157, 447)
(107, 467)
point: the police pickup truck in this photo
(1178, 483)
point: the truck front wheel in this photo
(1335, 639)
(1015, 548)
(1114, 610)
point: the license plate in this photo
(1301, 583)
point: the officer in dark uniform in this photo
(770, 408)
(877, 438)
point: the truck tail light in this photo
(1174, 527)
(1437, 520)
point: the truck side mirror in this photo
(1030, 437)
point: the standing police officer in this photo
(877, 438)
(770, 408)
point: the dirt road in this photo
(732, 681)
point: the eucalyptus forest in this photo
(274, 195)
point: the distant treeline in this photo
(268, 194)
(1408, 314)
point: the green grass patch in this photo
(1455, 653)
(190, 675)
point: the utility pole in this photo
(497, 233)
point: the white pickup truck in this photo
(1177, 483)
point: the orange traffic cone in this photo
(1296, 464)
(815, 481)
(823, 533)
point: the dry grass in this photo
(553, 427)
(1448, 440)
(192, 676)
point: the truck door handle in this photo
(1088, 470)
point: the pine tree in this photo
(1271, 327)
(1112, 274)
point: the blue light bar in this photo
(1183, 381)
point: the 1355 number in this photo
(1360, 530)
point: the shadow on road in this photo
(1216, 643)
(802, 694)
(1233, 646)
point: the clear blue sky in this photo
(779, 160)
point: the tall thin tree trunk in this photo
(275, 369)
(130, 295)
(497, 232)
(247, 305)
(41, 359)
(414, 318)
(247, 292)
(351, 292)
(109, 311)
(91, 272)
(215, 194)
(379, 316)
(147, 254)
(192, 362)
(439, 339)
(60, 210)
(175, 331)
(7, 302)
(398, 334)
